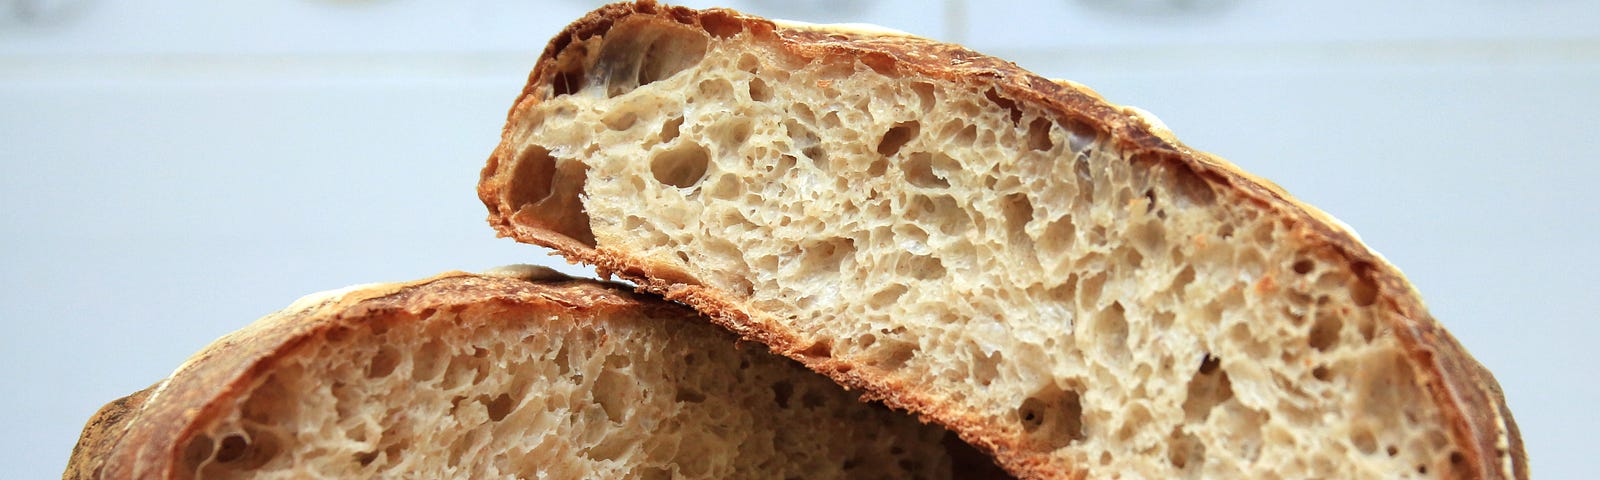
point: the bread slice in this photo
(468, 376)
(1053, 276)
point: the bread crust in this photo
(1471, 402)
(142, 435)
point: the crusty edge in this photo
(102, 433)
(1474, 407)
(142, 435)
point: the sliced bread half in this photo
(524, 374)
(1053, 276)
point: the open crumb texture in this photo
(1053, 276)
(466, 376)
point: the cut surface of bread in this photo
(470, 376)
(1053, 276)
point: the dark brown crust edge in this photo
(1471, 401)
(142, 435)
(102, 433)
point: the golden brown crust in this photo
(141, 436)
(102, 433)
(1481, 424)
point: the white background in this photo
(171, 170)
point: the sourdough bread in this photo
(523, 374)
(1053, 276)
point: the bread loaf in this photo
(468, 376)
(1053, 276)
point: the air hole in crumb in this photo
(1085, 177)
(1207, 388)
(826, 257)
(920, 170)
(1190, 188)
(921, 267)
(1163, 320)
(425, 364)
(1090, 287)
(534, 175)
(1185, 451)
(1303, 266)
(1006, 103)
(499, 406)
(1457, 458)
(234, 447)
(943, 211)
(782, 392)
(394, 450)
(1039, 135)
(1018, 213)
(613, 391)
(1392, 451)
(894, 354)
(1367, 328)
(887, 296)
(1363, 290)
(1364, 441)
(1184, 278)
(924, 93)
(897, 137)
(681, 167)
(1325, 332)
(1080, 134)
(986, 368)
(249, 451)
(1052, 416)
(669, 128)
(567, 82)
(730, 134)
(759, 91)
(819, 349)
(831, 120)
(720, 24)
(631, 59)
(1111, 332)
(338, 334)
(383, 362)
(749, 63)
(1321, 373)
(1058, 237)
(727, 187)
(877, 168)
(548, 192)
(967, 136)
(818, 156)
(880, 62)
(1136, 416)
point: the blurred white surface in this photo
(173, 170)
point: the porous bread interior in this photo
(552, 395)
(1106, 315)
